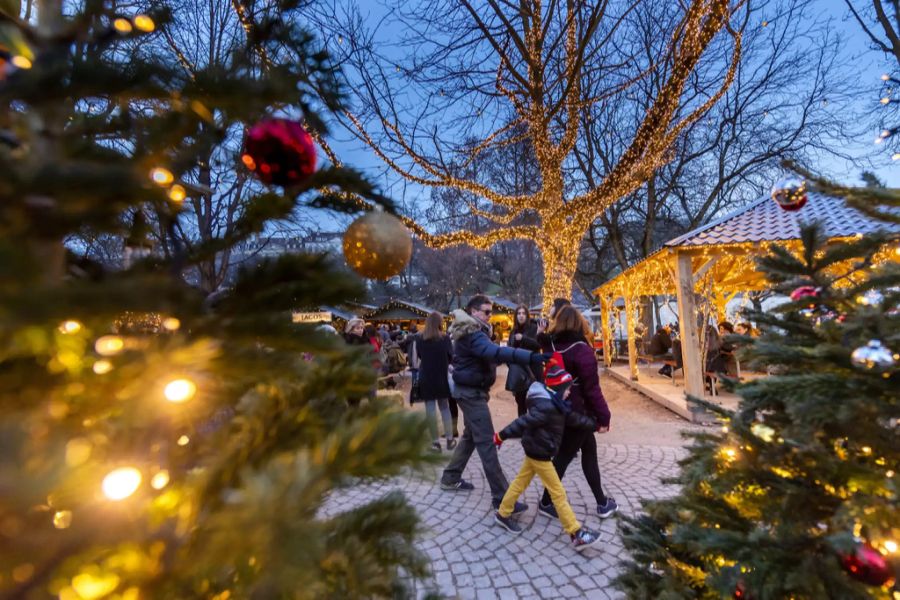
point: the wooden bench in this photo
(674, 365)
(714, 381)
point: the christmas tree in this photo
(155, 443)
(796, 495)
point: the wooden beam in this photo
(632, 342)
(687, 322)
(606, 330)
(699, 273)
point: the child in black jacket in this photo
(541, 431)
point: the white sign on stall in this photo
(311, 317)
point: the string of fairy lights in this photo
(562, 220)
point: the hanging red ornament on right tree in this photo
(279, 152)
(790, 193)
(805, 291)
(866, 564)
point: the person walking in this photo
(541, 430)
(432, 352)
(569, 335)
(522, 335)
(475, 360)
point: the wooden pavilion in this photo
(718, 260)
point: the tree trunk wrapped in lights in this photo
(155, 442)
(540, 56)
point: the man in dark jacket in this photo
(541, 431)
(475, 360)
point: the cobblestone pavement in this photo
(472, 557)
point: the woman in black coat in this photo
(522, 335)
(433, 353)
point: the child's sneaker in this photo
(518, 507)
(508, 523)
(607, 509)
(548, 510)
(583, 538)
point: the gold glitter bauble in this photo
(377, 245)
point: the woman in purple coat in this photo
(570, 335)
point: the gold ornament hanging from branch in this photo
(377, 245)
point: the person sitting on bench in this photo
(660, 349)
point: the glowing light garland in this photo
(562, 221)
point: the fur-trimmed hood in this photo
(464, 324)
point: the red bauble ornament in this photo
(866, 564)
(740, 591)
(790, 193)
(279, 151)
(805, 291)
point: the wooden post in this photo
(632, 342)
(606, 331)
(687, 322)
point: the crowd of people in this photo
(719, 359)
(558, 411)
(554, 377)
(554, 416)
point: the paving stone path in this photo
(472, 557)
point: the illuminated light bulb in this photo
(70, 327)
(122, 25)
(21, 62)
(144, 23)
(889, 474)
(160, 480)
(177, 193)
(23, 572)
(171, 324)
(885, 100)
(248, 162)
(866, 450)
(92, 586)
(885, 77)
(890, 546)
(78, 451)
(879, 139)
(62, 519)
(109, 345)
(180, 390)
(765, 23)
(102, 367)
(895, 156)
(184, 440)
(121, 483)
(161, 176)
(885, 133)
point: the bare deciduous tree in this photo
(789, 99)
(503, 73)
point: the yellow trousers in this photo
(543, 469)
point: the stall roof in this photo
(400, 310)
(725, 248)
(507, 305)
(764, 221)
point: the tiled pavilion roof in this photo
(749, 229)
(765, 221)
